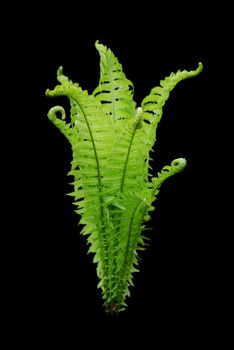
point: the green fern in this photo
(111, 141)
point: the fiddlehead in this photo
(176, 166)
(60, 122)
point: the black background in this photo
(54, 293)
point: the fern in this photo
(111, 140)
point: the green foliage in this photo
(111, 141)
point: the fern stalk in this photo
(111, 141)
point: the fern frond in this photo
(122, 166)
(111, 140)
(152, 109)
(114, 91)
(91, 134)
